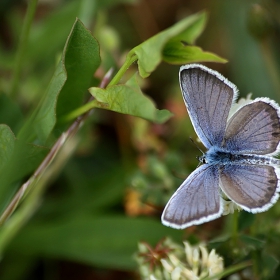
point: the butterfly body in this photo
(240, 151)
(219, 156)
(216, 155)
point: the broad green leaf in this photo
(219, 241)
(151, 52)
(193, 31)
(66, 90)
(179, 49)
(40, 124)
(252, 242)
(245, 220)
(229, 270)
(81, 60)
(7, 144)
(128, 99)
(104, 241)
(269, 265)
(20, 160)
(44, 44)
(10, 113)
(179, 53)
(61, 19)
(17, 159)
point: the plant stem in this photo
(33, 200)
(91, 104)
(131, 57)
(25, 188)
(235, 229)
(32, 4)
(229, 270)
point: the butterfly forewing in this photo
(255, 129)
(253, 187)
(196, 201)
(208, 97)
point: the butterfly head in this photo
(202, 159)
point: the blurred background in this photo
(112, 191)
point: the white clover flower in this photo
(240, 103)
(229, 207)
(215, 263)
(169, 261)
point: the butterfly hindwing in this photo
(254, 129)
(196, 201)
(253, 187)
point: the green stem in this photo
(36, 187)
(80, 111)
(32, 4)
(40, 171)
(235, 229)
(229, 270)
(131, 57)
(13, 225)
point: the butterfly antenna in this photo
(196, 146)
(197, 157)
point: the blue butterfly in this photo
(239, 159)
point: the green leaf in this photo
(229, 270)
(252, 242)
(128, 99)
(45, 44)
(179, 53)
(17, 159)
(105, 241)
(21, 160)
(193, 30)
(165, 43)
(41, 48)
(72, 77)
(40, 124)
(81, 59)
(10, 113)
(245, 220)
(269, 265)
(7, 144)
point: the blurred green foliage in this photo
(106, 192)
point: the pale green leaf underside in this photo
(178, 53)
(128, 99)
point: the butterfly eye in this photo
(201, 159)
